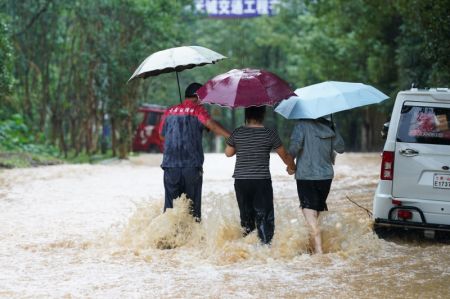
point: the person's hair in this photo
(255, 113)
(192, 89)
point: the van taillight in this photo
(404, 214)
(396, 202)
(387, 166)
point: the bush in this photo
(16, 136)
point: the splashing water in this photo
(99, 232)
(148, 228)
(220, 239)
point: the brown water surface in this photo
(72, 231)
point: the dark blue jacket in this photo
(182, 128)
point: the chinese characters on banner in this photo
(237, 8)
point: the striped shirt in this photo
(253, 146)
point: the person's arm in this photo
(338, 143)
(287, 159)
(297, 139)
(277, 145)
(217, 128)
(230, 151)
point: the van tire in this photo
(383, 232)
(153, 149)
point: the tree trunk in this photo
(74, 132)
(113, 136)
(365, 131)
(28, 106)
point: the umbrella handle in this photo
(332, 122)
(179, 91)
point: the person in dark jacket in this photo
(314, 143)
(181, 128)
(252, 144)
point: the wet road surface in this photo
(73, 231)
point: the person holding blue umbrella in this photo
(314, 143)
(315, 140)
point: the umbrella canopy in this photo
(328, 97)
(175, 60)
(245, 88)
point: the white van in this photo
(414, 187)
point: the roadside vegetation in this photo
(65, 65)
(21, 147)
(18, 147)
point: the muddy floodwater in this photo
(96, 231)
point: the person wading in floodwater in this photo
(314, 143)
(252, 144)
(181, 128)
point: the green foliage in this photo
(6, 59)
(16, 136)
(26, 159)
(424, 44)
(72, 59)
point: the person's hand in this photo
(290, 171)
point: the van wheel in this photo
(383, 232)
(153, 149)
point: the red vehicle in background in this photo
(146, 137)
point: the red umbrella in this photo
(245, 88)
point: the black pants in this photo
(255, 201)
(186, 180)
(313, 194)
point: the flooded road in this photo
(96, 231)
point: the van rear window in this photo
(153, 118)
(420, 124)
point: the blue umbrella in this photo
(328, 97)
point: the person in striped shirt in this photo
(252, 144)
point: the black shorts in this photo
(313, 194)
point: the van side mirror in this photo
(384, 130)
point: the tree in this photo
(424, 45)
(6, 58)
(72, 59)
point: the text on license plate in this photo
(441, 181)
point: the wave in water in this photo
(219, 236)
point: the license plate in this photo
(441, 181)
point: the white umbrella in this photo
(328, 97)
(175, 60)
